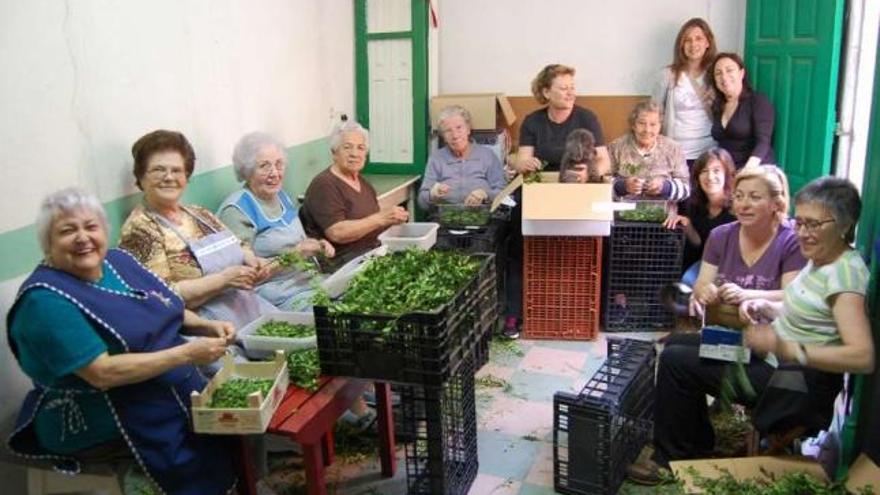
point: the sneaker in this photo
(511, 328)
(359, 423)
(646, 471)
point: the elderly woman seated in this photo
(341, 205)
(462, 171)
(645, 163)
(187, 245)
(262, 215)
(99, 335)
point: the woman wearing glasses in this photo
(751, 258)
(186, 245)
(262, 215)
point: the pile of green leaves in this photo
(793, 483)
(644, 212)
(303, 368)
(407, 281)
(631, 169)
(476, 216)
(233, 393)
(283, 329)
(293, 259)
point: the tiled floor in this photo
(514, 396)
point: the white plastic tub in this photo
(337, 282)
(260, 346)
(421, 235)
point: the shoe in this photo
(359, 423)
(370, 398)
(646, 471)
(511, 328)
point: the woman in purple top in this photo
(742, 119)
(753, 257)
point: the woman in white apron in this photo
(263, 215)
(187, 245)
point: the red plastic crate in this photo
(561, 287)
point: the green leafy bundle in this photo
(303, 368)
(793, 483)
(283, 329)
(644, 212)
(465, 216)
(407, 281)
(293, 259)
(233, 393)
(631, 169)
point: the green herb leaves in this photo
(233, 393)
(284, 329)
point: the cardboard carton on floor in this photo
(754, 467)
(488, 111)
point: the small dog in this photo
(579, 160)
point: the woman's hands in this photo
(757, 311)
(240, 277)
(439, 191)
(204, 350)
(634, 185)
(392, 216)
(476, 197)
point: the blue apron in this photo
(152, 416)
(289, 289)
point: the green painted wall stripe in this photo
(20, 251)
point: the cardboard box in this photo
(550, 208)
(743, 468)
(488, 110)
(252, 419)
(723, 344)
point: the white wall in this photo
(616, 46)
(83, 79)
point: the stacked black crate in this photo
(643, 258)
(600, 431)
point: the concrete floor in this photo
(514, 398)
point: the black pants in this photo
(682, 429)
(514, 279)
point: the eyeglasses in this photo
(161, 172)
(810, 226)
(265, 168)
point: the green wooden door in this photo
(792, 53)
(391, 76)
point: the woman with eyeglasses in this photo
(751, 258)
(263, 216)
(186, 245)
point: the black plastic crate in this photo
(642, 259)
(440, 425)
(420, 348)
(488, 309)
(600, 431)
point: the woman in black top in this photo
(742, 119)
(707, 207)
(544, 131)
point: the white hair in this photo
(344, 128)
(453, 111)
(65, 201)
(244, 156)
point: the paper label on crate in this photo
(724, 352)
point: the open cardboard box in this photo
(488, 111)
(862, 472)
(552, 208)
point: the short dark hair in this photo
(840, 197)
(157, 141)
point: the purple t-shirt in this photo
(782, 256)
